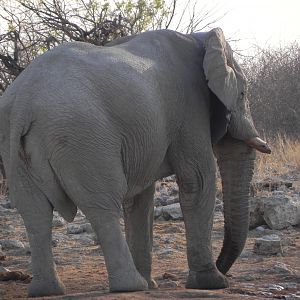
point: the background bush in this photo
(274, 90)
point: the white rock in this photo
(172, 211)
(268, 244)
(281, 212)
(275, 287)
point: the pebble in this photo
(275, 287)
(291, 297)
(11, 244)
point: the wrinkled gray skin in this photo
(95, 127)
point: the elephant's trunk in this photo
(236, 163)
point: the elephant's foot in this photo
(206, 280)
(39, 288)
(127, 282)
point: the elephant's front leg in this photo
(37, 214)
(138, 216)
(197, 199)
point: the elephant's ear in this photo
(227, 82)
(218, 69)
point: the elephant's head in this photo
(237, 140)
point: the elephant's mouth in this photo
(259, 145)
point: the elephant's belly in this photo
(141, 183)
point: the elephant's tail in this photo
(30, 174)
(16, 157)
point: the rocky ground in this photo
(269, 266)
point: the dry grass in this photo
(285, 158)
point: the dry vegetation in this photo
(285, 158)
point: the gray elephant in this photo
(95, 127)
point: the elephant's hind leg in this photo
(37, 214)
(99, 196)
(138, 216)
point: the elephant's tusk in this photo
(259, 145)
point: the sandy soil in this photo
(81, 265)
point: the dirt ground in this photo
(81, 266)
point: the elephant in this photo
(94, 127)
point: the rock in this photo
(74, 229)
(247, 254)
(268, 244)
(172, 200)
(79, 215)
(15, 275)
(168, 284)
(172, 211)
(84, 239)
(157, 212)
(2, 255)
(256, 213)
(170, 276)
(21, 251)
(161, 200)
(87, 227)
(7, 204)
(260, 228)
(58, 221)
(165, 252)
(2, 269)
(281, 268)
(289, 285)
(281, 212)
(219, 205)
(58, 237)
(275, 287)
(291, 297)
(271, 185)
(11, 244)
